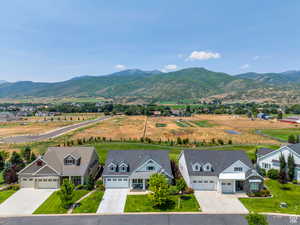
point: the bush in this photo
(262, 193)
(295, 182)
(273, 174)
(256, 219)
(173, 190)
(80, 187)
(189, 190)
(262, 172)
(14, 187)
(100, 185)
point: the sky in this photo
(55, 40)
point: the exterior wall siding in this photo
(183, 170)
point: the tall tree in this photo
(282, 171)
(66, 193)
(26, 153)
(16, 159)
(2, 162)
(291, 167)
(292, 139)
(159, 188)
(32, 157)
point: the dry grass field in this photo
(65, 117)
(198, 128)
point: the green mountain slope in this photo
(189, 83)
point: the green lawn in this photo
(53, 204)
(90, 204)
(1, 178)
(160, 125)
(141, 203)
(182, 124)
(5, 195)
(291, 196)
(281, 133)
(203, 123)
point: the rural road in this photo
(154, 219)
(51, 134)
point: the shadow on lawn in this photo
(171, 204)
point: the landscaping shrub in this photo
(256, 219)
(100, 185)
(262, 172)
(180, 185)
(295, 182)
(273, 174)
(173, 190)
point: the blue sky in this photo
(54, 40)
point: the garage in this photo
(47, 182)
(116, 182)
(207, 184)
(227, 186)
(27, 182)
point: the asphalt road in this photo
(153, 219)
(51, 134)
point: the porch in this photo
(76, 180)
(139, 184)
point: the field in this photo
(238, 129)
(282, 134)
(38, 125)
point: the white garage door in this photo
(47, 182)
(27, 182)
(227, 186)
(116, 183)
(204, 184)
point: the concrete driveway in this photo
(25, 201)
(113, 201)
(214, 202)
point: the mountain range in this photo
(156, 86)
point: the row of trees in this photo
(12, 164)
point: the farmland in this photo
(238, 129)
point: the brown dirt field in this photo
(116, 128)
(19, 128)
(65, 117)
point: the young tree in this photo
(16, 159)
(291, 167)
(282, 171)
(10, 174)
(159, 188)
(292, 139)
(180, 185)
(66, 193)
(90, 183)
(256, 219)
(26, 153)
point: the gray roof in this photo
(219, 159)
(295, 147)
(54, 157)
(264, 151)
(136, 158)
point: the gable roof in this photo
(219, 159)
(136, 158)
(54, 160)
(264, 151)
(295, 147)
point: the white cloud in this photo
(245, 66)
(202, 55)
(257, 57)
(120, 67)
(170, 67)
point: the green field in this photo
(141, 203)
(53, 204)
(203, 123)
(282, 134)
(160, 125)
(290, 195)
(90, 204)
(182, 123)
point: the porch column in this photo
(82, 180)
(144, 184)
(70, 179)
(234, 186)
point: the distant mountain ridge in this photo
(154, 86)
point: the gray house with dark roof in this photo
(269, 158)
(58, 163)
(132, 168)
(222, 171)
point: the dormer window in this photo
(196, 167)
(123, 168)
(112, 168)
(207, 167)
(150, 168)
(238, 169)
(69, 160)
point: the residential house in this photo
(7, 116)
(269, 158)
(222, 171)
(58, 163)
(133, 168)
(290, 120)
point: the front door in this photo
(239, 185)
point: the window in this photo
(266, 165)
(114, 179)
(112, 168)
(45, 180)
(254, 186)
(194, 181)
(123, 168)
(196, 167)
(24, 179)
(125, 179)
(206, 181)
(229, 184)
(207, 167)
(69, 161)
(211, 181)
(238, 169)
(223, 184)
(108, 179)
(150, 168)
(120, 179)
(199, 181)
